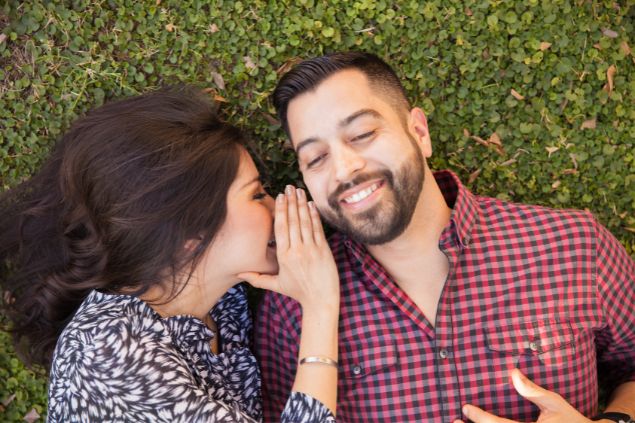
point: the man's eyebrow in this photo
(344, 122)
(364, 112)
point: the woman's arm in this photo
(307, 273)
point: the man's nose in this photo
(347, 162)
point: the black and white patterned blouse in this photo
(119, 361)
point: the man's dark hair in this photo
(308, 74)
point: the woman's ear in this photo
(192, 244)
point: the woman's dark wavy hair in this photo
(112, 209)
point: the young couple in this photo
(126, 249)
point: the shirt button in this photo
(443, 353)
(534, 346)
(357, 370)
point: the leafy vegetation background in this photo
(530, 101)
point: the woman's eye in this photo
(260, 195)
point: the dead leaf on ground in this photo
(3, 37)
(551, 150)
(466, 132)
(170, 27)
(473, 176)
(588, 124)
(625, 48)
(508, 162)
(610, 72)
(630, 229)
(9, 399)
(468, 11)
(544, 46)
(213, 28)
(31, 416)
(517, 95)
(218, 80)
(609, 33)
(555, 184)
(495, 139)
(249, 63)
(286, 66)
(270, 119)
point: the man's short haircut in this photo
(308, 74)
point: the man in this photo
(443, 293)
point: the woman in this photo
(123, 255)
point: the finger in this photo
(306, 227)
(543, 398)
(318, 230)
(280, 224)
(295, 238)
(260, 280)
(480, 416)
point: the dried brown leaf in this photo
(473, 176)
(218, 80)
(544, 46)
(625, 48)
(466, 133)
(508, 162)
(31, 416)
(495, 139)
(588, 124)
(468, 11)
(551, 150)
(609, 33)
(270, 119)
(249, 63)
(170, 27)
(213, 28)
(286, 66)
(3, 37)
(556, 184)
(610, 72)
(479, 140)
(9, 399)
(517, 95)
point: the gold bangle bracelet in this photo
(319, 360)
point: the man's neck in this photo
(421, 237)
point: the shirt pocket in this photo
(372, 357)
(549, 341)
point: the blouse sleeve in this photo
(303, 408)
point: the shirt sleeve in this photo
(277, 341)
(615, 342)
(304, 408)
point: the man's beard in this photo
(389, 218)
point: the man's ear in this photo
(418, 126)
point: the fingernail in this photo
(289, 189)
(311, 205)
(300, 192)
(465, 411)
(280, 198)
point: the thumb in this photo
(543, 398)
(260, 280)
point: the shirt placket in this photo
(446, 371)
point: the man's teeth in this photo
(359, 196)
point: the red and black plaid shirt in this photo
(550, 292)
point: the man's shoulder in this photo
(495, 212)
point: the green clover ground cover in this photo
(530, 101)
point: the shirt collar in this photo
(462, 219)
